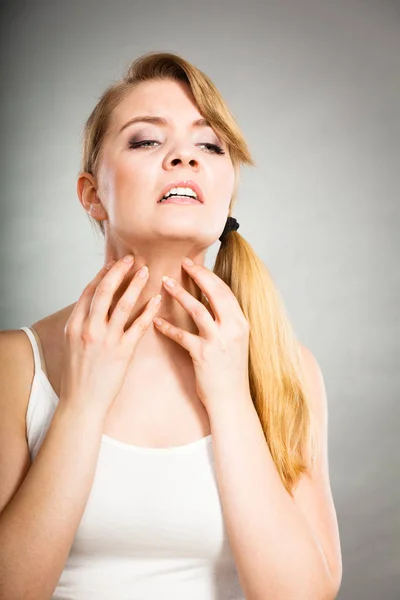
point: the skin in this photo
(128, 184)
(163, 410)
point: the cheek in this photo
(126, 173)
(224, 182)
(137, 169)
(130, 181)
(134, 189)
(125, 184)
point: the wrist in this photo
(235, 408)
(80, 414)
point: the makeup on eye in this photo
(134, 144)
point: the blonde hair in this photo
(276, 376)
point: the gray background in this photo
(315, 87)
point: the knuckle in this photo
(88, 337)
(199, 311)
(141, 326)
(70, 330)
(104, 289)
(125, 304)
(88, 290)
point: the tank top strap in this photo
(35, 348)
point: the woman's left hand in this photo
(220, 353)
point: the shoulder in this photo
(55, 321)
(310, 362)
(16, 373)
(49, 333)
(15, 350)
(17, 362)
(315, 384)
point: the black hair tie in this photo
(230, 225)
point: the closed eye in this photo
(214, 148)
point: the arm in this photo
(285, 548)
(41, 506)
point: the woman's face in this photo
(141, 158)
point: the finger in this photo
(127, 301)
(105, 291)
(142, 323)
(199, 313)
(187, 340)
(218, 293)
(82, 307)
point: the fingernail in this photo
(187, 261)
(168, 281)
(143, 271)
(128, 258)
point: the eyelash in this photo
(214, 147)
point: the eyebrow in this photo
(161, 121)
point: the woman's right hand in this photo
(97, 350)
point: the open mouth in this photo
(184, 192)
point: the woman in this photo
(181, 458)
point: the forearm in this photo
(38, 526)
(275, 550)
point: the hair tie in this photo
(230, 225)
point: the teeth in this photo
(180, 191)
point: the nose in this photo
(183, 156)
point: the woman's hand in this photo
(220, 353)
(97, 350)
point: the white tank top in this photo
(153, 525)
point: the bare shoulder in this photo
(317, 390)
(16, 373)
(55, 322)
(17, 370)
(49, 333)
(17, 361)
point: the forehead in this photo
(170, 99)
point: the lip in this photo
(186, 183)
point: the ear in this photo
(86, 187)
